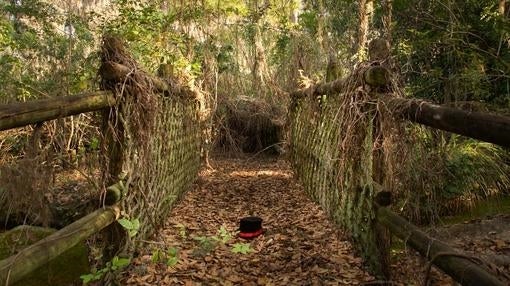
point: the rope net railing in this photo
(335, 140)
(153, 141)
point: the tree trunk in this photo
(502, 12)
(387, 17)
(365, 13)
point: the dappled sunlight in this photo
(256, 173)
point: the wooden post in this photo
(379, 50)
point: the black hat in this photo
(250, 227)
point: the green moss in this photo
(64, 270)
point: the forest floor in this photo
(300, 246)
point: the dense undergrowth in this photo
(449, 174)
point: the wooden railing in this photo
(487, 127)
(26, 113)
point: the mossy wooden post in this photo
(379, 51)
(113, 136)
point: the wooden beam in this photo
(482, 126)
(16, 267)
(24, 113)
(458, 266)
(374, 76)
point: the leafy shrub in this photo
(449, 173)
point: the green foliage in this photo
(475, 168)
(455, 51)
(243, 248)
(132, 226)
(116, 264)
(206, 244)
(225, 59)
(223, 235)
(38, 58)
(170, 257)
(228, 8)
(182, 230)
(449, 173)
(151, 35)
(308, 20)
(209, 243)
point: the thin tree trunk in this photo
(502, 13)
(366, 11)
(501, 7)
(387, 6)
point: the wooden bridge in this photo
(153, 130)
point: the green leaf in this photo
(136, 224)
(126, 223)
(123, 262)
(87, 278)
(156, 256)
(131, 226)
(243, 248)
(118, 262)
(172, 261)
(172, 251)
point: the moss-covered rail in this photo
(346, 135)
(14, 268)
(25, 113)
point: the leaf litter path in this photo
(300, 245)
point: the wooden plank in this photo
(459, 267)
(16, 267)
(486, 127)
(24, 113)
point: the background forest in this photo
(238, 51)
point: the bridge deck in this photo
(300, 246)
